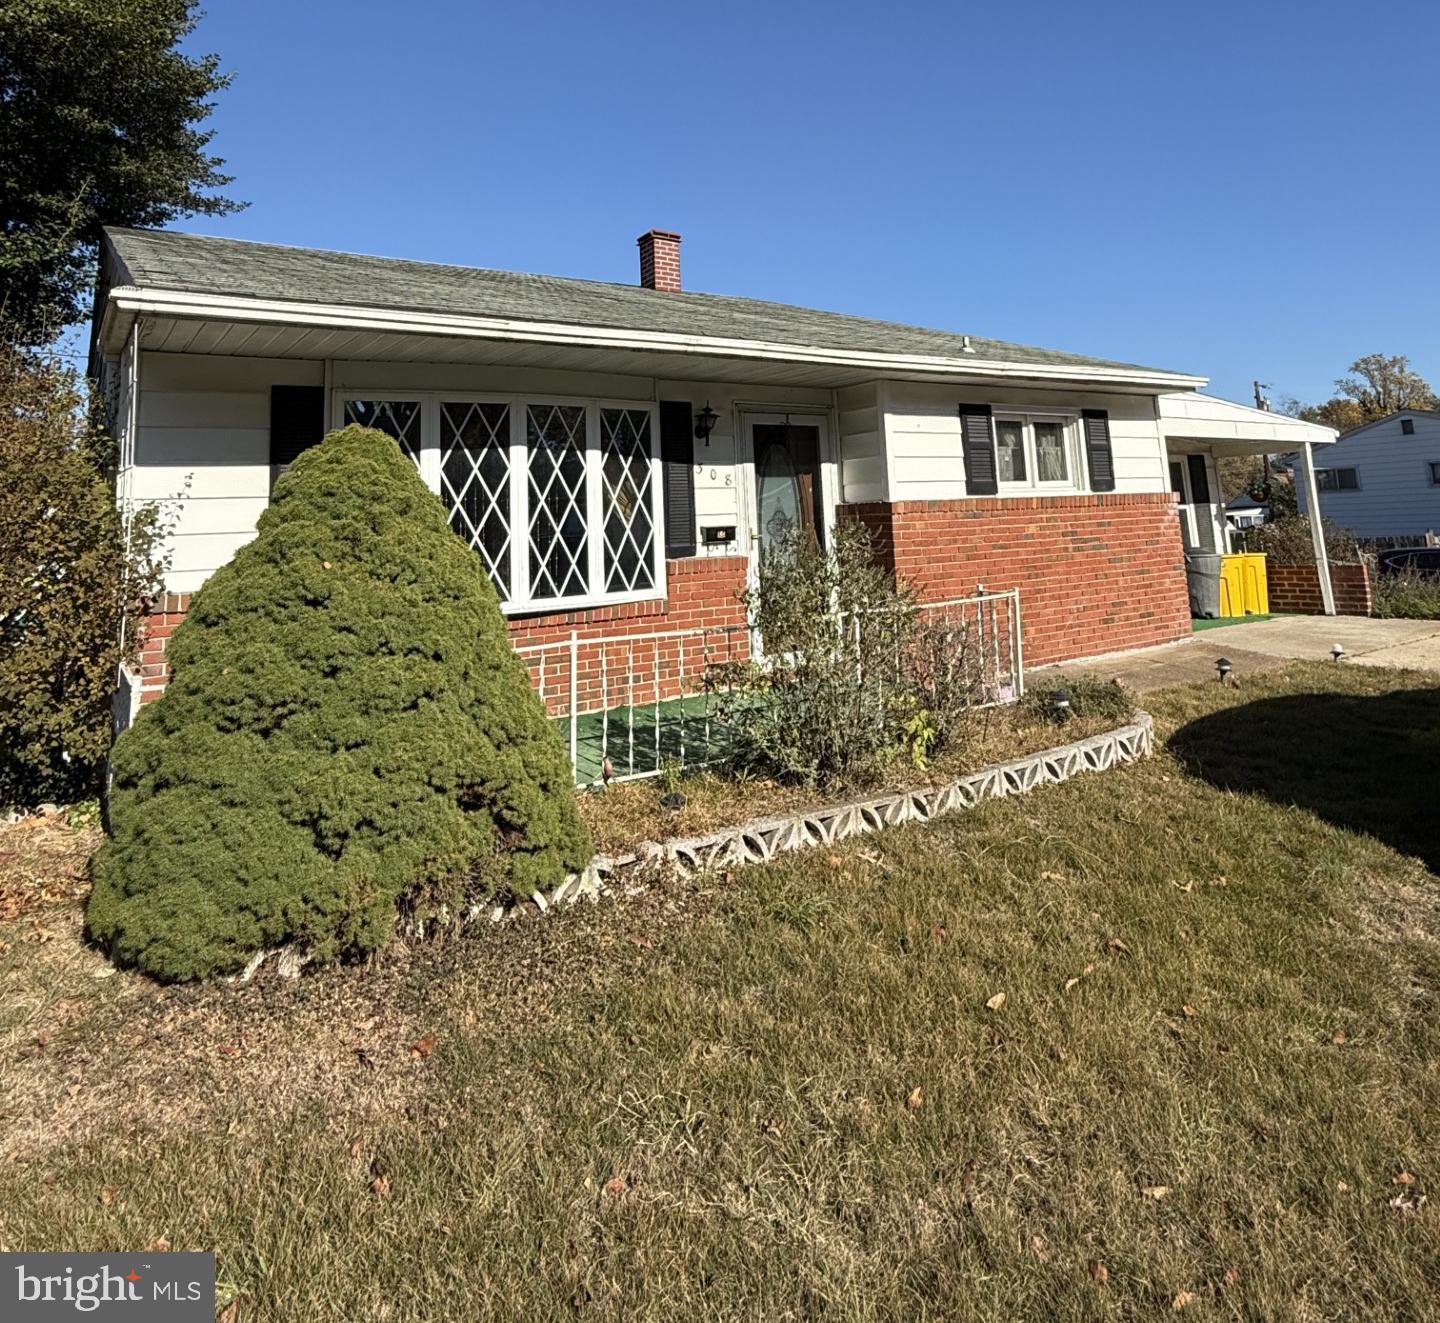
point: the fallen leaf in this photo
(228, 1049)
(1156, 1191)
(1070, 983)
(423, 1047)
(646, 943)
(160, 1246)
(938, 933)
(916, 1098)
(72, 1091)
(1098, 1272)
(1338, 1038)
(995, 1002)
(1403, 1178)
(1407, 1204)
(616, 1185)
(230, 1313)
(356, 1148)
(1052, 877)
(1188, 1011)
(835, 861)
(1183, 886)
(1041, 1247)
(107, 1194)
(380, 1186)
(1182, 1299)
(1341, 1186)
(1115, 944)
(1232, 1275)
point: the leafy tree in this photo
(347, 730)
(72, 585)
(1378, 385)
(99, 125)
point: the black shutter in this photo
(297, 421)
(677, 463)
(977, 443)
(1199, 480)
(1098, 458)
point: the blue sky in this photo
(1236, 190)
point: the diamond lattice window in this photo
(559, 534)
(629, 519)
(475, 481)
(397, 418)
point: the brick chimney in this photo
(660, 260)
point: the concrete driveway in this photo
(1265, 645)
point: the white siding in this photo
(202, 450)
(1396, 497)
(922, 434)
(203, 440)
(860, 420)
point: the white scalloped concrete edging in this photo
(762, 839)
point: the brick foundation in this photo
(1295, 589)
(701, 592)
(1096, 573)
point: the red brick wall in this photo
(660, 260)
(168, 612)
(1096, 573)
(701, 592)
(1295, 589)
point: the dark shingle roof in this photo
(204, 264)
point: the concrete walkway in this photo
(1265, 645)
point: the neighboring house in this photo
(1244, 511)
(618, 455)
(1382, 480)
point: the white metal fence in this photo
(633, 705)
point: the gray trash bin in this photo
(1202, 569)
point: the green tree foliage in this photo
(1378, 385)
(99, 125)
(347, 730)
(72, 585)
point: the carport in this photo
(1199, 429)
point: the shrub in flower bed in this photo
(347, 731)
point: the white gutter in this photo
(131, 301)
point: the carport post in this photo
(1317, 532)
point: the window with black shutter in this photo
(297, 422)
(1099, 458)
(977, 443)
(677, 463)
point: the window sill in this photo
(565, 605)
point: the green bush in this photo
(347, 731)
(1406, 596)
(72, 585)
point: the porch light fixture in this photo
(1223, 669)
(1060, 705)
(1337, 652)
(705, 422)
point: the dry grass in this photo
(794, 1093)
(629, 812)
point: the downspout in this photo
(1317, 531)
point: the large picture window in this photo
(558, 498)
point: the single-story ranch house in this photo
(618, 455)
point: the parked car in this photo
(1409, 560)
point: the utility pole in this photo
(1260, 401)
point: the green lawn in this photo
(796, 1093)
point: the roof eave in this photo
(140, 301)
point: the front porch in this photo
(1198, 431)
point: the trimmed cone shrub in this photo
(347, 731)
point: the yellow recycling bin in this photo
(1243, 587)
